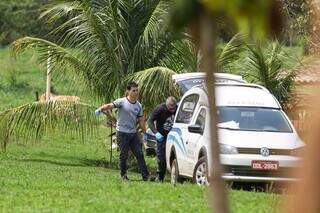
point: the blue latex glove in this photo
(159, 137)
(98, 112)
(145, 136)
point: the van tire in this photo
(175, 177)
(200, 173)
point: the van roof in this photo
(188, 80)
(249, 95)
(220, 77)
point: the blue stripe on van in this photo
(178, 141)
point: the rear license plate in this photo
(264, 165)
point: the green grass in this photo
(62, 174)
(68, 176)
(21, 78)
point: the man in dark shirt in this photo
(160, 122)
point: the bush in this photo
(19, 18)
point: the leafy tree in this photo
(298, 18)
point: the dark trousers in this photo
(161, 155)
(131, 141)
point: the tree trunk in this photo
(49, 68)
(217, 193)
(314, 39)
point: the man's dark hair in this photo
(131, 84)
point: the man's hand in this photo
(98, 112)
(159, 137)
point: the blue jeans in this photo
(161, 155)
(131, 141)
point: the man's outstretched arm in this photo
(104, 108)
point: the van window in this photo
(186, 109)
(253, 119)
(201, 119)
(187, 84)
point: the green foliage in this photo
(269, 67)
(104, 42)
(29, 80)
(259, 18)
(231, 51)
(183, 12)
(35, 119)
(99, 60)
(11, 79)
(158, 80)
(252, 17)
(20, 18)
(298, 20)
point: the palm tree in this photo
(152, 86)
(270, 67)
(104, 44)
(106, 41)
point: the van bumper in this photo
(231, 177)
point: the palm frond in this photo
(153, 34)
(231, 51)
(91, 26)
(155, 86)
(266, 67)
(256, 64)
(57, 11)
(35, 119)
(181, 55)
(157, 20)
(86, 68)
(59, 56)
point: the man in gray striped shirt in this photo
(129, 113)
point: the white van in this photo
(185, 82)
(257, 140)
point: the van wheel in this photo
(200, 173)
(175, 178)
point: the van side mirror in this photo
(195, 128)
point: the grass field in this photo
(62, 174)
(66, 176)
